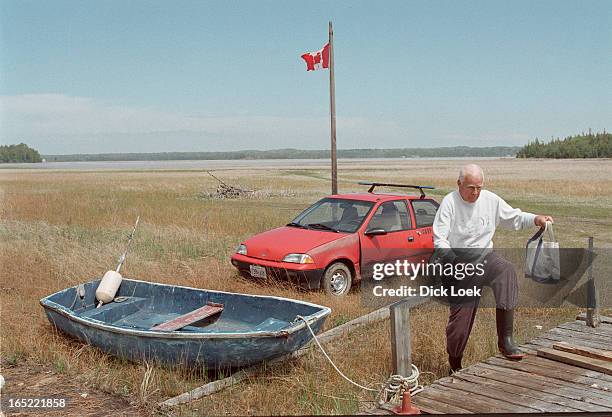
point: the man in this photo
(467, 219)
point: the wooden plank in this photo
(535, 384)
(585, 332)
(559, 337)
(541, 340)
(529, 349)
(566, 368)
(543, 401)
(570, 334)
(573, 386)
(189, 318)
(604, 355)
(578, 360)
(554, 337)
(401, 350)
(534, 345)
(429, 406)
(491, 392)
(473, 402)
(603, 319)
(426, 406)
(592, 313)
(544, 390)
(577, 335)
(432, 393)
(328, 336)
(556, 376)
(603, 330)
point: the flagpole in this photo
(332, 111)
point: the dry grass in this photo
(58, 229)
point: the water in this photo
(217, 164)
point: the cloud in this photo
(57, 123)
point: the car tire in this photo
(337, 279)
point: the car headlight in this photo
(241, 249)
(298, 258)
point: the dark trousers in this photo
(499, 274)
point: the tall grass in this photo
(58, 229)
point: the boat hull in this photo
(251, 328)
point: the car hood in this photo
(275, 244)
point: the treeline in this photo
(18, 153)
(456, 151)
(598, 145)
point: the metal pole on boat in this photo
(107, 289)
(130, 237)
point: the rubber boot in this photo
(505, 327)
(455, 364)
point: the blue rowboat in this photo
(249, 329)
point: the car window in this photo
(424, 212)
(391, 216)
(335, 214)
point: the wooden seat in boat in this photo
(194, 316)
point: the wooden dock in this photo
(533, 385)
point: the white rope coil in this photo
(396, 385)
(392, 389)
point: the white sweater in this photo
(459, 224)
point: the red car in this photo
(329, 244)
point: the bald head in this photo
(471, 170)
(470, 182)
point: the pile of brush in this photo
(229, 191)
(225, 191)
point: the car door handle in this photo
(410, 238)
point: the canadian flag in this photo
(317, 60)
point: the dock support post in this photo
(592, 314)
(401, 348)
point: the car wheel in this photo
(337, 279)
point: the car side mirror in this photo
(375, 232)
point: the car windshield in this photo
(334, 215)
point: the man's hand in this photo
(540, 220)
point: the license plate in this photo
(258, 271)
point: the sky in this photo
(161, 76)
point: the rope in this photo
(397, 385)
(76, 295)
(392, 389)
(329, 359)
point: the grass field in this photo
(60, 228)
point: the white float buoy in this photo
(108, 287)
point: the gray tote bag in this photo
(542, 262)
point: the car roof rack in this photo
(381, 184)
